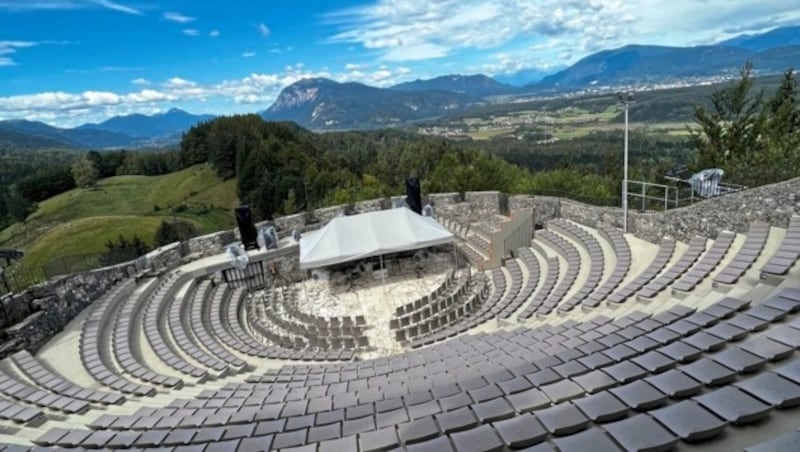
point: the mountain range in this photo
(323, 104)
(163, 125)
(131, 131)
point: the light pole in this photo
(625, 99)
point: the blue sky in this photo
(67, 62)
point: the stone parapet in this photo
(31, 318)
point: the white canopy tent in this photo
(370, 234)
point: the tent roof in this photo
(370, 234)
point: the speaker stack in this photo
(414, 195)
(247, 230)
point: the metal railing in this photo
(17, 278)
(648, 197)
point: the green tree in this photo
(85, 173)
(173, 231)
(17, 206)
(755, 140)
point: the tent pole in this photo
(383, 274)
(305, 289)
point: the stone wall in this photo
(29, 319)
(774, 204)
(486, 204)
(32, 317)
(210, 244)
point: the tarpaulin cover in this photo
(370, 234)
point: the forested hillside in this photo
(282, 168)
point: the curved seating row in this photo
(424, 301)
(596, 263)
(208, 325)
(570, 254)
(788, 251)
(421, 311)
(18, 389)
(282, 317)
(155, 330)
(280, 346)
(662, 257)
(187, 309)
(94, 346)
(239, 339)
(549, 283)
(124, 342)
(531, 263)
(637, 383)
(697, 245)
(21, 414)
(622, 252)
(746, 256)
(707, 263)
(440, 325)
(46, 378)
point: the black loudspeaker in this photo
(413, 194)
(247, 230)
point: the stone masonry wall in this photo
(29, 319)
(34, 316)
(774, 204)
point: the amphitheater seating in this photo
(639, 382)
(622, 252)
(788, 251)
(124, 346)
(707, 263)
(94, 347)
(553, 270)
(18, 389)
(238, 339)
(181, 309)
(155, 333)
(453, 310)
(282, 345)
(531, 263)
(210, 313)
(419, 303)
(747, 255)
(43, 377)
(596, 263)
(696, 247)
(21, 414)
(570, 253)
(686, 371)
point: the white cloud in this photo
(116, 7)
(178, 17)
(422, 51)
(231, 96)
(248, 54)
(421, 29)
(191, 32)
(177, 82)
(33, 5)
(214, 33)
(8, 48)
(263, 29)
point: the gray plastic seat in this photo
(690, 421)
(640, 433)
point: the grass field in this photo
(81, 221)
